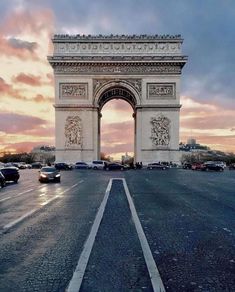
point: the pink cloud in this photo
(31, 22)
(24, 146)
(116, 132)
(28, 79)
(13, 123)
(118, 105)
(7, 89)
(40, 98)
(125, 147)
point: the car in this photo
(81, 165)
(115, 166)
(187, 165)
(2, 180)
(63, 166)
(232, 166)
(197, 166)
(98, 164)
(36, 165)
(11, 173)
(157, 165)
(212, 166)
(49, 173)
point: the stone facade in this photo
(143, 70)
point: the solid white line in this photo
(8, 198)
(151, 265)
(13, 223)
(79, 272)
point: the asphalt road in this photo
(188, 218)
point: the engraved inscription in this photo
(74, 90)
(160, 90)
(73, 131)
(160, 131)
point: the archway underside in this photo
(117, 92)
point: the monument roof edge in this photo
(114, 38)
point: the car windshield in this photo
(48, 169)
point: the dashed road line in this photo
(151, 265)
(76, 281)
(13, 223)
(15, 196)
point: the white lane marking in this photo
(151, 265)
(76, 281)
(13, 223)
(15, 196)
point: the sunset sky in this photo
(26, 78)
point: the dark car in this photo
(157, 165)
(187, 165)
(63, 166)
(81, 165)
(11, 173)
(36, 165)
(115, 166)
(232, 166)
(2, 180)
(49, 173)
(212, 166)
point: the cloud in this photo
(21, 147)
(25, 33)
(117, 137)
(8, 90)
(12, 123)
(196, 115)
(21, 44)
(32, 22)
(39, 98)
(18, 48)
(28, 79)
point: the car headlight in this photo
(58, 175)
(43, 175)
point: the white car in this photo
(98, 164)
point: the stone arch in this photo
(121, 89)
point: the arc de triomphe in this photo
(144, 70)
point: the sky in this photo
(26, 78)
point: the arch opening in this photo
(117, 129)
(117, 92)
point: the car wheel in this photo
(95, 167)
(122, 168)
(15, 181)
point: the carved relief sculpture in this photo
(73, 131)
(73, 90)
(160, 132)
(160, 90)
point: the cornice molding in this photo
(111, 37)
(136, 68)
(116, 58)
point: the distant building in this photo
(44, 153)
(191, 141)
(43, 149)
